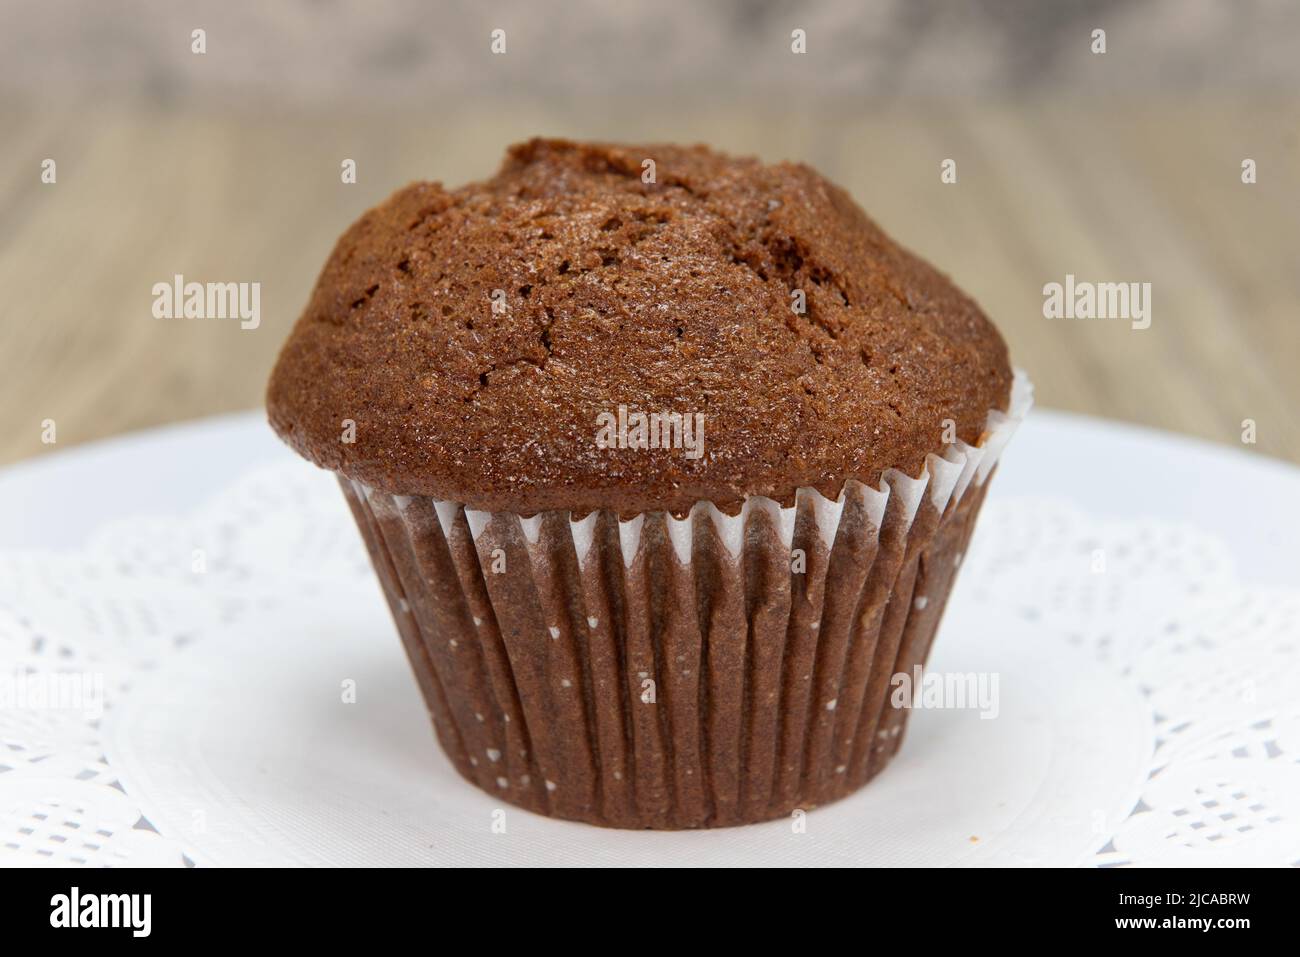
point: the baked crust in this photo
(672, 296)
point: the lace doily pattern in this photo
(1157, 605)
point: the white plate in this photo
(237, 750)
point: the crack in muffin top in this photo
(673, 296)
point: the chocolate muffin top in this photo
(482, 340)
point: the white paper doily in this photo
(1149, 710)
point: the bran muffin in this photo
(696, 633)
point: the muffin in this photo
(665, 460)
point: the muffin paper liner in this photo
(659, 672)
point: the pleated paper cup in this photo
(659, 672)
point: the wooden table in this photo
(1105, 191)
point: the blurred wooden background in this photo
(159, 175)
